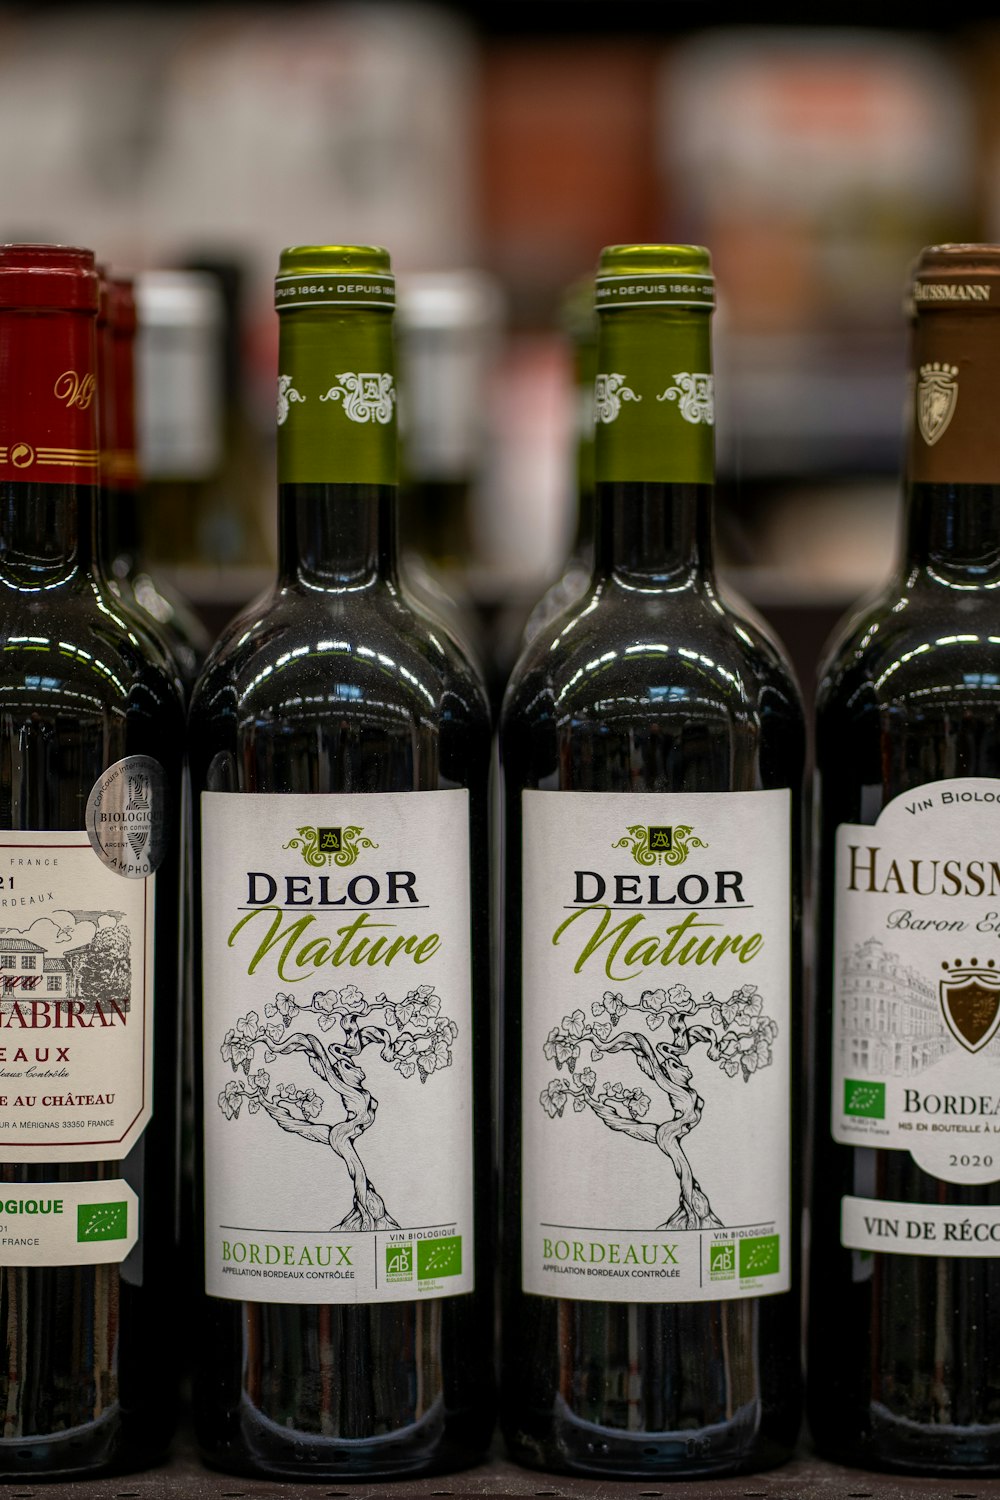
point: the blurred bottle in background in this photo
(234, 526)
(179, 406)
(579, 321)
(449, 326)
(122, 532)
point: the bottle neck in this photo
(952, 524)
(46, 534)
(336, 447)
(654, 457)
(118, 532)
(952, 532)
(654, 535)
(337, 536)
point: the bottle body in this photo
(92, 739)
(907, 760)
(356, 725)
(650, 1311)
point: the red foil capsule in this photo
(48, 364)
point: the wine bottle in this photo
(90, 757)
(165, 614)
(905, 1213)
(652, 750)
(340, 750)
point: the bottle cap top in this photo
(334, 276)
(655, 275)
(54, 277)
(956, 277)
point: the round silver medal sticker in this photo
(127, 816)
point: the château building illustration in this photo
(891, 1023)
(93, 970)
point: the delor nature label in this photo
(917, 1004)
(656, 1048)
(337, 1047)
(76, 1001)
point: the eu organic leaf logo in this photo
(101, 1221)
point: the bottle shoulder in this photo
(919, 645)
(657, 651)
(62, 639)
(297, 654)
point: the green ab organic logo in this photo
(320, 847)
(399, 1263)
(722, 1261)
(659, 843)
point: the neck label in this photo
(336, 400)
(955, 389)
(368, 289)
(654, 399)
(692, 290)
(48, 417)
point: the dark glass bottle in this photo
(165, 613)
(905, 1285)
(91, 741)
(340, 745)
(652, 748)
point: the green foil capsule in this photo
(655, 421)
(336, 424)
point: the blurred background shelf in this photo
(814, 159)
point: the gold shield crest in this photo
(937, 397)
(970, 1004)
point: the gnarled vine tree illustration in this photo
(411, 1035)
(737, 1037)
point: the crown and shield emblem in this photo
(937, 397)
(970, 1002)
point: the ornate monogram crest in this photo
(368, 397)
(330, 846)
(286, 395)
(970, 1002)
(937, 397)
(609, 393)
(659, 843)
(695, 396)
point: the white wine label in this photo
(917, 980)
(337, 1044)
(919, 1228)
(656, 1056)
(68, 1223)
(76, 1001)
